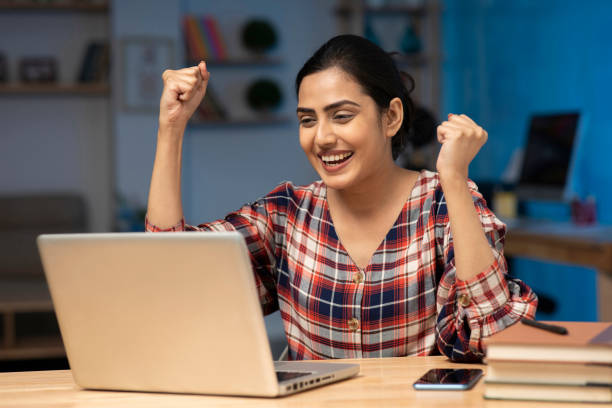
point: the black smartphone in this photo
(448, 379)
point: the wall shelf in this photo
(264, 121)
(26, 296)
(347, 11)
(94, 89)
(241, 62)
(77, 6)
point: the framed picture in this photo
(144, 59)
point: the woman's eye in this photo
(306, 121)
(343, 116)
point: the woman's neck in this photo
(370, 195)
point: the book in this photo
(528, 363)
(96, 62)
(533, 372)
(586, 342)
(548, 392)
(210, 109)
(217, 39)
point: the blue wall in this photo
(505, 60)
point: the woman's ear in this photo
(394, 117)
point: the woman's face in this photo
(340, 129)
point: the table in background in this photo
(381, 383)
(589, 246)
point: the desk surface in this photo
(589, 246)
(381, 383)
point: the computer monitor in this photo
(548, 156)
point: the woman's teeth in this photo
(335, 159)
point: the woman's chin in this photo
(337, 182)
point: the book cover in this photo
(536, 372)
(207, 35)
(89, 61)
(191, 46)
(204, 49)
(552, 392)
(585, 341)
(216, 37)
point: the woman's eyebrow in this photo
(329, 107)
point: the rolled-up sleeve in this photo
(259, 223)
(490, 301)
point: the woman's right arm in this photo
(183, 92)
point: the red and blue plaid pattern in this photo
(408, 302)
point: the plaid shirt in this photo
(406, 302)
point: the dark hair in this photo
(372, 68)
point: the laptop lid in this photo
(159, 312)
(548, 155)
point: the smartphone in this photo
(448, 379)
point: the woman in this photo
(372, 260)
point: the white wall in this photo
(224, 166)
(55, 143)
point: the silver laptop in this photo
(168, 312)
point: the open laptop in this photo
(168, 312)
(550, 152)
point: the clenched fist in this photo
(183, 92)
(461, 140)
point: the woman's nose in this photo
(325, 133)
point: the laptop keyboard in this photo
(290, 375)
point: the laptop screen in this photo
(548, 153)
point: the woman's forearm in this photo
(473, 253)
(165, 207)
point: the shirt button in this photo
(464, 300)
(353, 324)
(358, 277)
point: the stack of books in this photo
(210, 109)
(528, 363)
(203, 39)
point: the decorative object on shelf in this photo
(210, 109)
(264, 95)
(96, 62)
(410, 42)
(38, 69)
(3, 68)
(583, 212)
(203, 39)
(144, 59)
(259, 36)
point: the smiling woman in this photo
(372, 260)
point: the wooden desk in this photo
(381, 383)
(589, 246)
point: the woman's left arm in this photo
(461, 140)
(482, 300)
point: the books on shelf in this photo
(203, 39)
(527, 363)
(95, 65)
(210, 109)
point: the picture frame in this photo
(143, 60)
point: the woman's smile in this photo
(335, 161)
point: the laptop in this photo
(168, 312)
(549, 156)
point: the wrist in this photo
(170, 131)
(453, 176)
